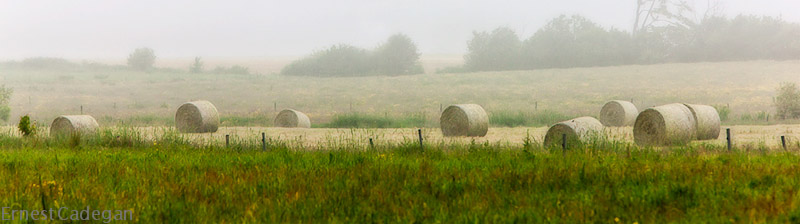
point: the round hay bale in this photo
(73, 124)
(197, 117)
(618, 113)
(580, 130)
(292, 119)
(671, 124)
(464, 120)
(707, 121)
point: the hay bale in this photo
(671, 124)
(292, 119)
(464, 120)
(580, 130)
(707, 121)
(197, 117)
(618, 113)
(73, 124)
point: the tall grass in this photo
(170, 179)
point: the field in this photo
(138, 162)
(145, 99)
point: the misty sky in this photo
(92, 29)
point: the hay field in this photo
(748, 87)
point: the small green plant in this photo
(724, 112)
(26, 127)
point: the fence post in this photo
(728, 134)
(419, 133)
(564, 142)
(227, 141)
(371, 145)
(263, 141)
(783, 142)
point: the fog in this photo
(92, 29)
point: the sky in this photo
(94, 29)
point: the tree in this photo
(787, 102)
(498, 50)
(197, 67)
(142, 59)
(398, 56)
(575, 41)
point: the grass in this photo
(171, 179)
(121, 93)
(522, 119)
(360, 120)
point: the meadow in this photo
(170, 177)
(121, 96)
(331, 173)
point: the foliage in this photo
(498, 50)
(398, 56)
(724, 112)
(576, 42)
(197, 66)
(142, 59)
(26, 127)
(787, 102)
(5, 98)
(338, 60)
(676, 36)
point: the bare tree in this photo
(680, 14)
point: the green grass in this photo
(171, 179)
(523, 119)
(359, 120)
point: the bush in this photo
(398, 56)
(142, 59)
(338, 60)
(47, 63)
(787, 102)
(26, 127)
(197, 66)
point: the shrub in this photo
(197, 66)
(397, 56)
(787, 102)
(142, 59)
(26, 127)
(724, 112)
(5, 97)
(47, 63)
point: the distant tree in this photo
(398, 56)
(498, 50)
(787, 102)
(338, 60)
(197, 66)
(142, 59)
(574, 41)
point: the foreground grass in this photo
(170, 179)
